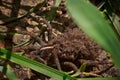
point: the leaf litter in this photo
(66, 48)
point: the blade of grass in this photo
(112, 17)
(10, 74)
(81, 69)
(48, 71)
(39, 67)
(89, 19)
(51, 14)
(115, 21)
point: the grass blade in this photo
(10, 74)
(51, 14)
(81, 69)
(110, 12)
(39, 67)
(89, 19)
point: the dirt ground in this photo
(59, 44)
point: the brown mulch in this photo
(61, 45)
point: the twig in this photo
(56, 60)
(41, 60)
(86, 74)
(49, 28)
(72, 65)
(47, 47)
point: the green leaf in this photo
(115, 21)
(89, 19)
(51, 14)
(81, 69)
(113, 17)
(10, 74)
(37, 66)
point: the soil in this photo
(59, 44)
